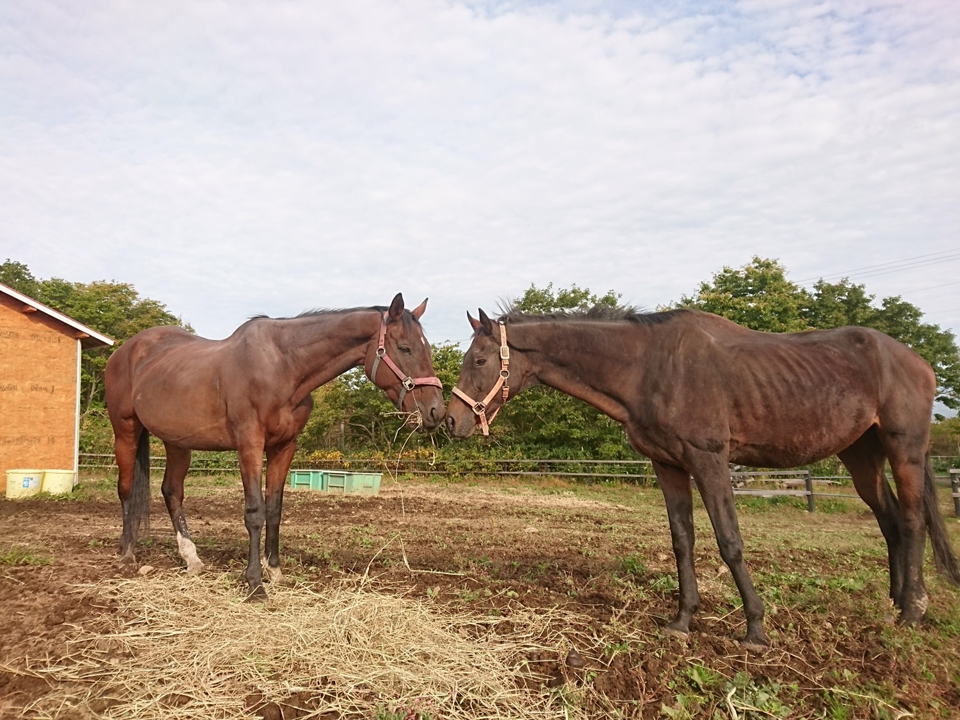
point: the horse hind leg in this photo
(864, 459)
(906, 452)
(178, 463)
(132, 452)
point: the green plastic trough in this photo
(338, 482)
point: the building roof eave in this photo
(88, 337)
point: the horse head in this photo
(400, 364)
(484, 383)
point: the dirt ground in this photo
(602, 552)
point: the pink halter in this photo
(479, 407)
(407, 383)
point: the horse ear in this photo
(486, 322)
(417, 312)
(396, 307)
(474, 323)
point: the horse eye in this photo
(481, 361)
(405, 350)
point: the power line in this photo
(893, 266)
(940, 312)
(932, 287)
(930, 258)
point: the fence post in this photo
(808, 481)
(955, 490)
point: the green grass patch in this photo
(22, 557)
(632, 565)
(766, 504)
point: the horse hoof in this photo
(673, 632)
(755, 647)
(258, 594)
(128, 567)
(194, 568)
(913, 614)
(274, 575)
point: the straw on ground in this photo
(190, 647)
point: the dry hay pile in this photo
(190, 647)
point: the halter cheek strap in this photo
(407, 383)
(480, 407)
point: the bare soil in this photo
(602, 552)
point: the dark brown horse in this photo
(696, 392)
(251, 393)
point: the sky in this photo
(232, 159)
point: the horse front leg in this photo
(251, 468)
(712, 475)
(278, 463)
(178, 463)
(675, 485)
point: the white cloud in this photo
(243, 158)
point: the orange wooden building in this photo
(40, 384)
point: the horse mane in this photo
(407, 315)
(598, 313)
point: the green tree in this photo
(447, 359)
(547, 300)
(945, 437)
(350, 413)
(757, 296)
(837, 304)
(111, 308)
(114, 309)
(18, 276)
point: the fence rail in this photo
(785, 483)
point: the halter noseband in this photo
(407, 383)
(480, 407)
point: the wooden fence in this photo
(955, 490)
(759, 483)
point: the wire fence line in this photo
(799, 483)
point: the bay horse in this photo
(695, 392)
(251, 393)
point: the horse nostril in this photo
(450, 423)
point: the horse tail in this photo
(140, 493)
(943, 557)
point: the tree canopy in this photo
(112, 308)
(352, 414)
